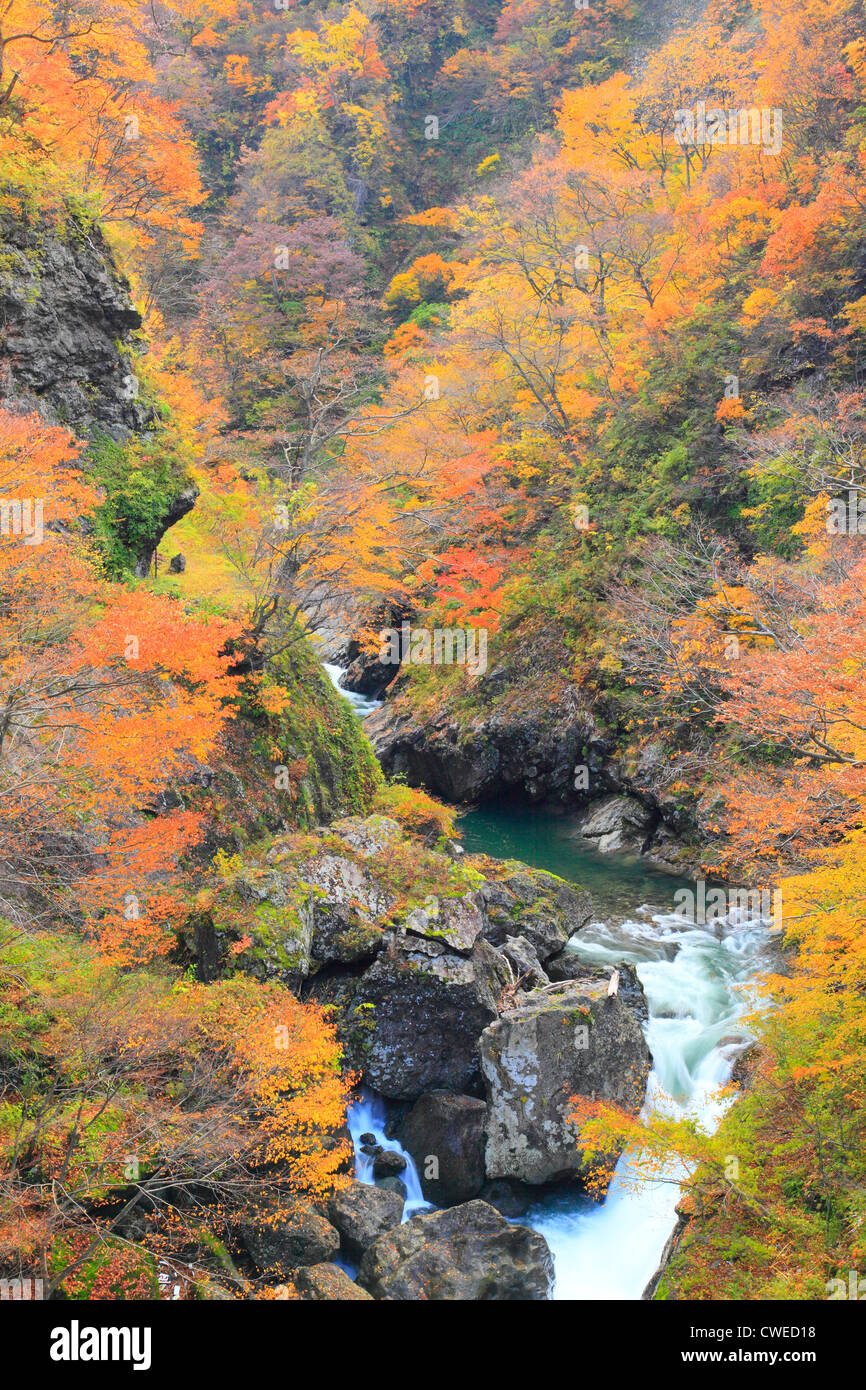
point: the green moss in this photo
(331, 767)
(140, 482)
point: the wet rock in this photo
(746, 1059)
(393, 1184)
(365, 673)
(388, 1162)
(444, 1133)
(511, 1199)
(575, 1041)
(468, 1252)
(618, 823)
(361, 1213)
(417, 1015)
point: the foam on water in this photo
(367, 1115)
(692, 978)
(361, 704)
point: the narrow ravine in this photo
(696, 981)
(694, 1033)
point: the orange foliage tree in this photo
(108, 694)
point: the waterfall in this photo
(693, 978)
(367, 1115)
(361, 704)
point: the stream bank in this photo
(696, 984)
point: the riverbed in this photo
(699, 984)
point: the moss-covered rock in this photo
(519, 901)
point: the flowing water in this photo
(368, 1115)
(693, 978)
(696, 982)
(361, 704)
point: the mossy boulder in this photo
(519, 901)
(573, 1041)
(299, 903)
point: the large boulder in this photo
(280, 916)
(417, 1014)
(521, 955)
(444, 1133)
(342, 882)
(281, 1242)
(325, 901)
(558, 1044)
(362, 1213)
(569, 966)
(456, 922)
(468, 1252)
(519, 901)
(327, 1283)
(618, 823)
(343, 935)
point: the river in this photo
(697, 984)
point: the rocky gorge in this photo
(459, 999)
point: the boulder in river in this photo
(417, 1015)
(444, 1133)
(573, 1041)
(468, 1252)
(569, 966)
(617, 823)
(519, 901)
(361, 1213)
(387, 1162)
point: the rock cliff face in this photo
(533, 751)
(541, 750)
(69, 332)
(68, 327)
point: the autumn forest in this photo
(432, 651)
